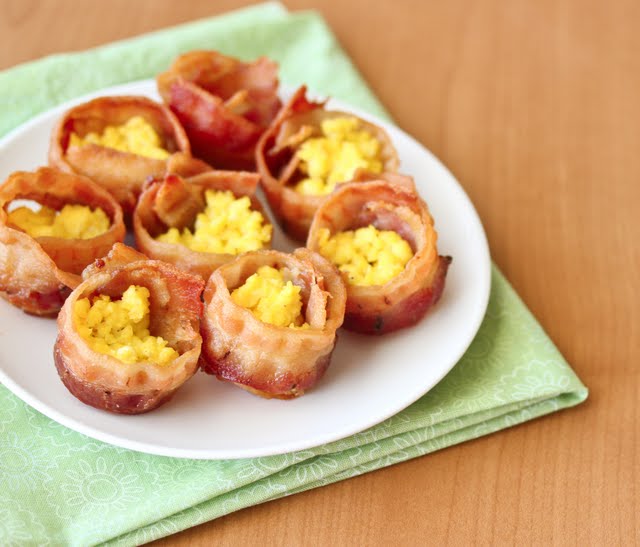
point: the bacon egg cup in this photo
(175, 202)
(121, 172)
(268, 360)
(223, 103)
(388, 203)
(38, 273)
(280, 166)
(105, 382)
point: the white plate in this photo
(369, 380)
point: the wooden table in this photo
(535, 106)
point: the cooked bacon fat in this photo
(120, 172)
(175, 203)
(175, 306)
(265, 359)
(389, 202)
(37, 274)
(280, 166)
(223, 103)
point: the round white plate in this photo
(369, 380)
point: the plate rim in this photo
(283, 447)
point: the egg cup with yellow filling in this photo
(308, 150)
(118, 142)
(128, 335)
(270, 320)
(202, 221)
(380, 235)
(43, 252)
(224, 104)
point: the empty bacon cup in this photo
(380, 235)
(308, 150)
(128, 335)
(118, 142)
(200, 222)
(66, 222)
(270, 320)
(223, 103)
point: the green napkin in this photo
(58, 486)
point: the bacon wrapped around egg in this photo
(308, 150)
(128, 335)
(201, 221)
(118, 142)
(223, 103)
(270, 320)
(43, 251)
(380, 235)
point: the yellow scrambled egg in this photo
(136, 136)
(227, 225)
(121, 328)
(270, 299)
(367, 255)
(71, 222)
(335, 156)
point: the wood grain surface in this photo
(535, 107)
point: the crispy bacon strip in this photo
(405, 299)
(223, 104)
(174, 202)
(107, 383)
(121, 173)
(186, 165)
(277, 162)
(264, 359)
(37, 274)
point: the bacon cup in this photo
(265, 358)
(224, 104)
(118, 142)
(381, 236)
(200, 222)
(103, 367)
(37, 272)
(307, 150)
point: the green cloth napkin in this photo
(58, 486)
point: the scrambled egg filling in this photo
(335, 156)
(71, 222)
(227, 225)
(367, 255)
(121, 328)
(270, 299)
(136, 136)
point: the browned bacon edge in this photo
(271, 361)
(106, 383)
(36, 303)
(389, 202)
(286, 386)
(36, 274)
(224, 104)
(121, 173)
(117, 401)
(405, 313)
(174, 202)
(277, 164)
